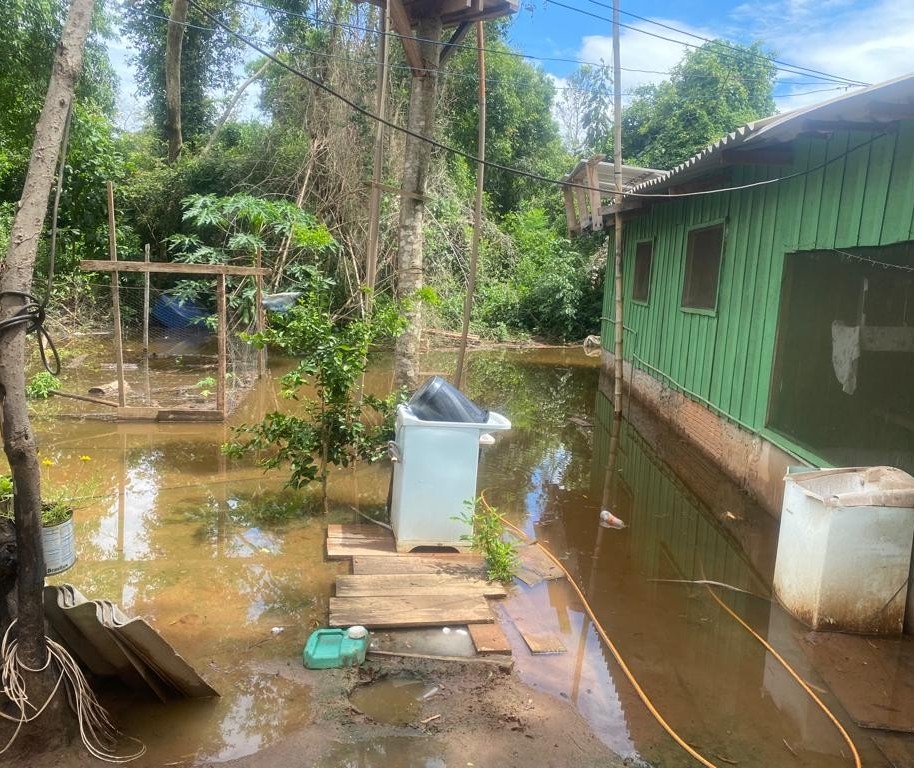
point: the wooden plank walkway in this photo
(410, 611)
(391, 590)
(405, 584)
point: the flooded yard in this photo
(229, 566)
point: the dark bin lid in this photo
(439, 400)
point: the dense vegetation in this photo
(288, 179)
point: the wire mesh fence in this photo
(170, 347)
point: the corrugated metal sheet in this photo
(877, 103)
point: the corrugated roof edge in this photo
(769, 127)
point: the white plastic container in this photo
(435, 468)
(844, 549)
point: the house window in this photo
(702, 268)
(641, 288)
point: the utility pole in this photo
(617, 218)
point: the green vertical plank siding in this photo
(878, 174)
(896, 224)
(859, 191)
(853, 185)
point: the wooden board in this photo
(345, 541)
(541, 642)
(873, 678)
(535, 561)
(489, 638)
(463, 564)
(403, 584)
(415, 611)
(169, 267)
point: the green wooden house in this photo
(769, 285)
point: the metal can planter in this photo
(59, 545)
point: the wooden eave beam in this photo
(775, 155)
(403, 26)
(456, 39)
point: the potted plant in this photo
(58, 533)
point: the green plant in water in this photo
(41, 386)
(206, 386)
(488, 539)
(336, 429)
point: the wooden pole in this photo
(221, 312)
(617, 178)
(477, 212)
(374, 199)
(116, 300)
(259, 321)
(146, 278)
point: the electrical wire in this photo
(467, 46)
(583, 12)
(32, 313)
(449, 75)
(95, 728)
(725, 44)
(498, 166)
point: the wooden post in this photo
(259, 320)
(571, 221)
(146, 278)
(477, 212)
(222, 313)
(617, 178)
(581, 198)
(593, 181)
(116, 300)
(374, 199)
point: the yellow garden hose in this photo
(640, 691)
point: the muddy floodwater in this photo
(229, 567)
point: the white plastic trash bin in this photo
(435, 468)
(844, 548)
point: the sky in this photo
(867, 41)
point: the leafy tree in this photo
(521, 132)
(712, 91)
(29, 32)
(335, 427)
(208, 59)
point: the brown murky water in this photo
(222, 561)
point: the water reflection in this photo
(216, 554)
(705, 673)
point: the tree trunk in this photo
(227, 113)
(410, 269)
(173, 43)
(18, 438)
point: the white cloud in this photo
(645, 59)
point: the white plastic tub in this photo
(434, 475)
(844, 549)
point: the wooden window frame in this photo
(718, 224)
(646, 300)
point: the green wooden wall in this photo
(865, 197)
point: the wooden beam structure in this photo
(571, 219)
(596, 198)
(403, 26)
(115, 298)
(456, 39)
(173, 268)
